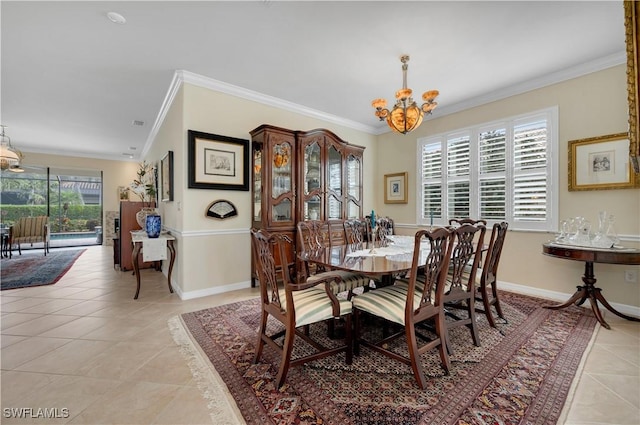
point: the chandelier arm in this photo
(406, 115)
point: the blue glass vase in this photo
(153, 225)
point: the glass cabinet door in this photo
(334, 184)
(257, 185)
(281, 183)
(312, 203)
(353, 187)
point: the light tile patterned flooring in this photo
(85, 345)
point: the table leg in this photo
(172, 250)
(589, 290)
(136, 266)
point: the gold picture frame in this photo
(395, 188)
(600, 163)
(632, 36)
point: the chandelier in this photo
(9, 156)
(406, 115)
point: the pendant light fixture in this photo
(406, 115)
(9, 156)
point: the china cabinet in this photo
(330, 177)
(303, 175)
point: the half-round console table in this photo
(588, 290)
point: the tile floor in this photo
(85, 347)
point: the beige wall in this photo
(214, 256)
(589, 106)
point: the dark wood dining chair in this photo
(410, 305)
(384, 228)
(313, 235)
(296, 305)
(460, 291)
(356, 232)
(467, 220)
(486, 275)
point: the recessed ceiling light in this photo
(116, 18)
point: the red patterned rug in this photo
(33, 268)
(522, 373)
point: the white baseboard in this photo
(507, 286)
(561, 297)
(211, 291)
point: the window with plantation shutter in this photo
(505, 170)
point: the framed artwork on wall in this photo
(123, 193)
(166, 177)
(601, 163)
(632, 36)
(395, 188)
(218, 162)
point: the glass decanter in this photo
(582, 228)
(606, 236)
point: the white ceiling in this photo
(73, 82)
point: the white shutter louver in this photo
(504, 170)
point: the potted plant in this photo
(144, 187)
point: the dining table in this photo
(382, 261)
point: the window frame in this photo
(550, 223)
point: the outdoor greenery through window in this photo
(71, 198)
(504, 170)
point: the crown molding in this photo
(181, 76)
(538, 83)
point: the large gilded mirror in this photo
(632, 30)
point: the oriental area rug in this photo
(522, 373)
(36, 269)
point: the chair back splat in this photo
(461, 290)
(356, 232)
(296, 305)
(410, 304)
(313, 235)
(317, 235)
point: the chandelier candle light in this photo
(406, 115)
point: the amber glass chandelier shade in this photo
(403, 94)
(405, 120)
(406, 115)
(379, 103)
(430, 95)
